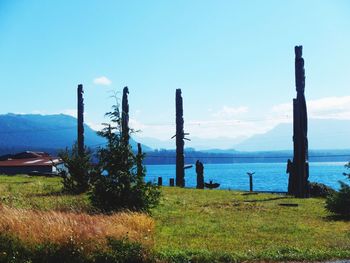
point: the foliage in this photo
(33, 227)
(200, 225)
(79, 168)
(320, 190)
(118, 183)
(339, 202)
(348, 167)
(124, 251)
(88, 232)
(13, 250)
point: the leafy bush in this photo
(79, 167)
(119, 175)
(320, 190)
(339, 202)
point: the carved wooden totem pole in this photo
(299, 168)
(139, 160)
(125, 116)
(180, 143)
(80, 120)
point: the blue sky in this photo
(233, 60)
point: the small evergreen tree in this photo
(339, 202)
(320, 190)
(77, 177)
(118, 183)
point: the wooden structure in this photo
(250, 174)
(200, 174)
(299, 169)
(80, 120)
(139, 160)
(211, 185)
(32, 163)
(160, 181)
(180, 143)
(125, 116)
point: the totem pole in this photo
(125, 116)
(299, 168)
(200, 174)
(139, 161)
(180, 143)
(80, 120)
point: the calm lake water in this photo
(267, 177)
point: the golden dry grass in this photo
(89, 232)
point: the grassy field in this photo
(246, 227)
(210, 225)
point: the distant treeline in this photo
(18, 149)
(219, 156)
(169, 156)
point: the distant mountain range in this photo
(322, 134)
(196, 143)
(232, 156)
(44, 133)
(52, 133)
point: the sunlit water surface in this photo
(267, 177)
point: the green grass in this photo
(246, 227)
(42, 193)
(213, 225)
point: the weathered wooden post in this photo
(160, 181)
(250, 181)
(80, 118)
(125, 116)
(299, 168)
(171, 182)
(200, 174)
(180, 134)
(139, 160)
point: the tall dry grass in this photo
(89, 232)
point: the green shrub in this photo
(12, 250)
(122, 251)
(339, 202)
(118, 182)
(79, 167)
(320, 190)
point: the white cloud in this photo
(228, 112)
(160, 131)
(233, 128)
(95, 126)
(233, 123)
(70, 112)
(324, 108)
(201, 129)
(103, 81)
(330, 108)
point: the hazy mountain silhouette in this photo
(220, 144)
(322, 134)
(41, 132)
